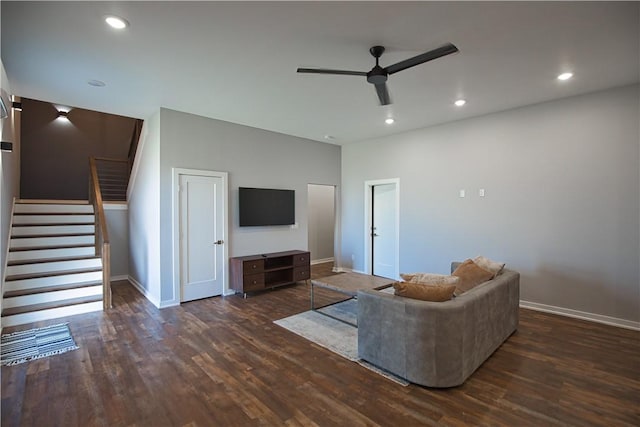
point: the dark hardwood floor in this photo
(222, 362)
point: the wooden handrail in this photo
(109, 159)
(135, 139)
(102, 234)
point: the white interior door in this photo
(384, 230)
(201, 236)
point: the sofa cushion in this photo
(470, 276)
(486, 264)
(424, 292)
(431, 278)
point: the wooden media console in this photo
(264, 271)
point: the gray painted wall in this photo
(253, 158)
(562, 202)
(144, 212)
(9, 169)
(55, 152)
(321, 214)
(117, 217)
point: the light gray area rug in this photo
(333, 334)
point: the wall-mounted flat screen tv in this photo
(266, 206)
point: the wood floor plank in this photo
(222, 361)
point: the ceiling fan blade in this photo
(447, 49)
(323, 71)
(383, 94)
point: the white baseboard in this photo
(599, 318)
(147, 295)
(119, 278)
(321, 261)
(346, 270)
(144, 292)
(169, 303)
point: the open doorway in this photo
(321, 224)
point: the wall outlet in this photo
(462, 193)
(481, 192)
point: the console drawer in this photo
(253, 282)
(302, 259)
(256, 266)
(301, 273)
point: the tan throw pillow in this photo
(424, 292)
(486, 264)
(431, 279)
(470, 276)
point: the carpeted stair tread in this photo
(49, 305)
(66, 287)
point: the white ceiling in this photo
(236, 61)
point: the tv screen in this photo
(265, 206)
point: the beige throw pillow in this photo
(424, 292)
(489, 265)
(431, 279)
(470, 276)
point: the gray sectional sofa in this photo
(438, 344)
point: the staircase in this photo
(52, 267)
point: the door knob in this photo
(218, 242)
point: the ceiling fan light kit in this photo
(378, 75)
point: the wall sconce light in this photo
(16, 105)
(6, 146)
(63, 115)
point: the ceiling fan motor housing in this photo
(377, 75)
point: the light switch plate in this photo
(481, 192)
(461, 193)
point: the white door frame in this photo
(176, 172)
(368, 216)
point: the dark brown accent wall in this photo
(55, 153)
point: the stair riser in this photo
(37, 242)
(52, 208)
(51, 253)
(37, 316)
(44, 267)
(45, 297)
(44, 230)
(52, 219)
(41, 282)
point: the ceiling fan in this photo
(378, 75)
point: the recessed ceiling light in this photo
(116, 22)
(565, 76)
(389, 121)
(460, 102)
(96, 83)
